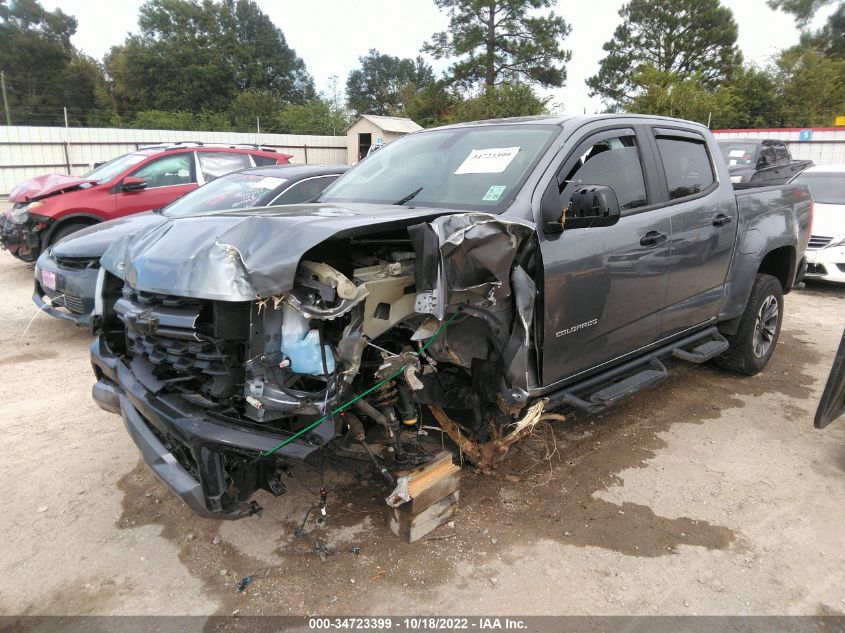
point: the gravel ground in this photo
(709, 494)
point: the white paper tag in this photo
(270, 182)
(732, 162)
(493, 160)
(736, 153)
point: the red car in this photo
(48, 208)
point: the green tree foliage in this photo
(44, 72)
(830, 38)
(755, 100)
(498, 102)
(685, 38)
(255, 104)
(812, 87)
(668, 93)
(433, 105)
(192, 55)
(379, 85)
(803, 10)
(317, 116)
(502, 41)
(181, 120)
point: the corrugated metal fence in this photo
(26, 152)
(824, 146)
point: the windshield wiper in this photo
(407, 198)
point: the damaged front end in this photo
(375, 324)
(22, 231)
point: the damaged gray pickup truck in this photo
(475, 276)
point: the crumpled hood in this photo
(243, 256)
(93, 241)
(43, 186)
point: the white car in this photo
(826, 251)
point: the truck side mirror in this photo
(589, 206)
(592, 206)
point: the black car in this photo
(66, 275)
(757, 163)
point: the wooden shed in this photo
(370, 129)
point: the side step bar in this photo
(603, 390)
(612, 393)
(703, 352)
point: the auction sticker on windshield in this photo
(48, 279)
(494, 193)
(493, 160)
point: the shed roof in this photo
(390, 123)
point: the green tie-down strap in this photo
(348, 404)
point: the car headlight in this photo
(839, 240)
(736, 178)
(21, 214)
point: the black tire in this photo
(65, 230)
(759, 328)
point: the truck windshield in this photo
(234, 191)
(737, 153)
(475, 168)
(824, 188)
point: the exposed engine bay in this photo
(377, 331)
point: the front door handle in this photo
(722, 220)
(652, 237)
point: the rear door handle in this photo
(722, 220)
(651, 238)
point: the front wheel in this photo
(65, 230)
(759, 327)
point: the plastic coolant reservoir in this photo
(301, 345)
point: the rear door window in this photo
(168, 171)
(687, 165)
(781, 154)
(216, 164)
(613, 162)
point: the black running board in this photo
(610, 394)
(702, 352)
(603, 390)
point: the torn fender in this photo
(471, 259)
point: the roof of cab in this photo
(545, 119)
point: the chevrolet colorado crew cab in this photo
(474, 276)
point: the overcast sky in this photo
(330, 35)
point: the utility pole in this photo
(5, 101)
(65, 109)
(258, 125)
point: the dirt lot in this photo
(709, 494)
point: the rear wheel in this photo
(759, 328)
